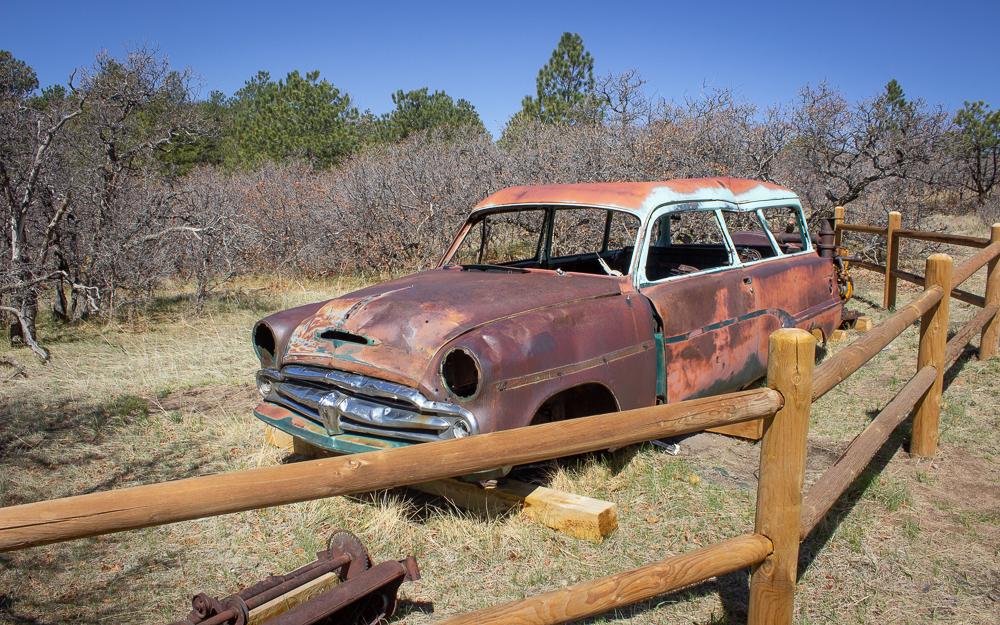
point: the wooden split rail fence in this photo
(784, 516)
(894, 233)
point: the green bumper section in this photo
(315, 434)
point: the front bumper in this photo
(350, 413)
(314, 434)
(311, 432)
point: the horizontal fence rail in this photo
(602, 595)
(837, 479)
(956, 345)
(959, 294)
(943, 237)
(974, 263)
(841, 365)
(56, 520)
(894, 233)
(920, 235)
(862, 228)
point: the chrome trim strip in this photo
(294, 407)
(350, 426)
(372, 387)
(328, 397)
(300, 394)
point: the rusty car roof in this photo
(640, 197)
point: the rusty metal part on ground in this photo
(365, 594)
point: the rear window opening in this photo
(747, 232)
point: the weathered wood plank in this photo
(575, 515)
(292, 598)
(750, 430)
(276, 438)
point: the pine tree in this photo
(299, 117)
(976, 143)
(419, 110)
(565, 86)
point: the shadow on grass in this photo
(952, 373)
(866, 301)
(64, 448)
(156, 309)
(232, 300)
(824, 531)
(826, 528)
(84, 601)
(406, 607)
(46, 438)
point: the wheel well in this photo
(579, 401)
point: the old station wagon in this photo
(555, 302)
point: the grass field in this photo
(169, 395)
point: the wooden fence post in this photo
(839, 215)
(933, 339)
(991, 333)
(891, 259)
(791, 357)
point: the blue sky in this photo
(489, 52)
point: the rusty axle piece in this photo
(365, 595)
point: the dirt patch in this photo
(208, 398)
(957, 492)
(733, 462)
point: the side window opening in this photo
(578, 231)
(785, 223)
(748, 236)
(592, 240)
(685, 242)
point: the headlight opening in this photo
(264, 344)
(460, 373)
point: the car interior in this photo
(601, 241)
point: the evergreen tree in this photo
(301, 116)
(17, 78)
(419, 110)
(976, 143)
(565, 86)
(206, 148)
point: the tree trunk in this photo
(60, 303)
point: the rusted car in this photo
(555, 302)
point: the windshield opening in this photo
(573, 239)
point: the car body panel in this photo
(407, 321)
(535, 333)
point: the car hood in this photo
(393, 330)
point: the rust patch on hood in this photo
(410, 319)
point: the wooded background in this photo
(122, 178)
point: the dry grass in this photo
(168, 396)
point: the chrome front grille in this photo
(347, 402)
